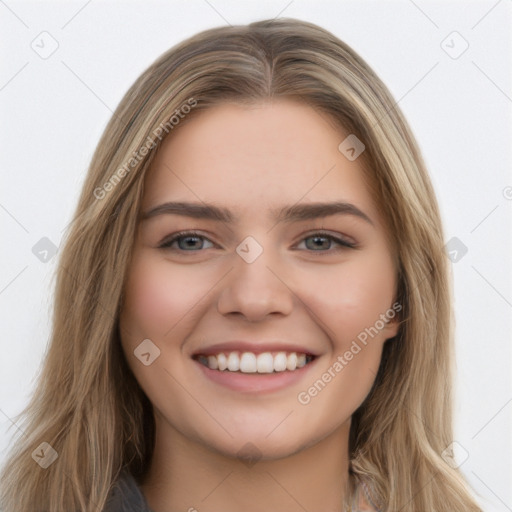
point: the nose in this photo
(255, 290)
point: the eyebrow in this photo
(294, 213)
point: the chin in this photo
(251, 446)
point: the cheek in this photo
(351, 299)
(159, 296)
(349, 303)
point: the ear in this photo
(391, 328)
(392, 320)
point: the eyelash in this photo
(166, 244)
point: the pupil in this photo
(320, 242)
(190, 241)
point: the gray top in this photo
(126, 496)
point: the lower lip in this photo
(256, 382)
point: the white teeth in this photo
(233, 362)
(222, 362)
(291, 364)
(248, 362)
(265, 363)
(280, 360)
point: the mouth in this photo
(255, 363)
(253, 368)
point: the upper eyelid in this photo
(182, 234)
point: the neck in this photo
(187, 476)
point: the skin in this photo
(253, 160)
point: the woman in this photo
(252, 307)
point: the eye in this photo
(323, 242)
(186, 241)
(191, 241)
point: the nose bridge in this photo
(254, 288)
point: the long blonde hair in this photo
(88, 405)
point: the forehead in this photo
(249, 157)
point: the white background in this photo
(53, 111)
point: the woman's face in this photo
(288, 255)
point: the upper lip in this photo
(255, 347)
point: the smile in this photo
(249, 362)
